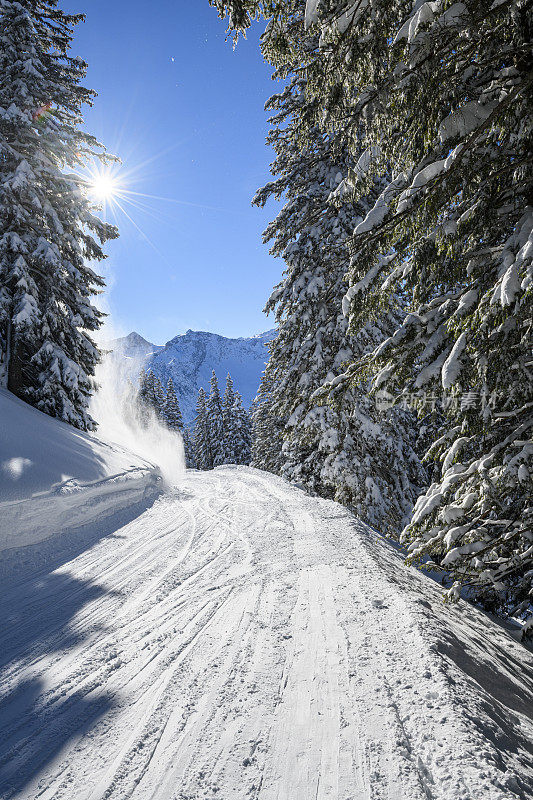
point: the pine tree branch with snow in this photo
(48, 229)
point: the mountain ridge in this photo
(189, 359)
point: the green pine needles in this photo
(430, 107)
(48, 230)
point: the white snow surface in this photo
(311, 12)
(240, 639)
(54, 477)
(452, 366)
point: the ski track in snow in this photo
(242, 640)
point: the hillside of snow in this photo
(190, 358)
(54, 478)
(240, 639)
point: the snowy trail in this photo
(242, 640)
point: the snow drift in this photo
(117, 412)
(54, 478)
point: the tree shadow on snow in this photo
(37, 618)
(38, 609)
(514, 690)
(35, 728)
(23, 565)
(506, 685)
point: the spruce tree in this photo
(229, 423)
(49, 232)
(267, 429)
(146, 387)
(216, 422)
(203, 452)
(153, 399)
(242, 433)
(344, 448)
(172, 411)
(190, 461)
(145, 395)
(159, 400)
(456, 217)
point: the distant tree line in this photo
(222, 429)
(163, 403)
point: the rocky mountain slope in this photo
(133, 346)
(190, 358)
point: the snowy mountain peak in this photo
(190, 358)
(136, 338)
(266, 336)
(133, 346)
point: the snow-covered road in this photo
(242, 640)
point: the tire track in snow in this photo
(243, 641)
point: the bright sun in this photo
(103, 186)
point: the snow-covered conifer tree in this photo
(242, 437)
(145, 395)
(142, 390)
(346, 449)
(172, 411)
(447, 98)
(159, 401)
(216, 422)
(229, 422)
(48, 231)
(203, 453)
(267, 429)
(188, 447)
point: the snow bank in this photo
(54, 478)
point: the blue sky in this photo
(184, 112)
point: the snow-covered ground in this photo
(241, 640)
(54, 479)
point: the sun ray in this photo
(103, 187)
(176, 200)
(149, 211)
(143, 234)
